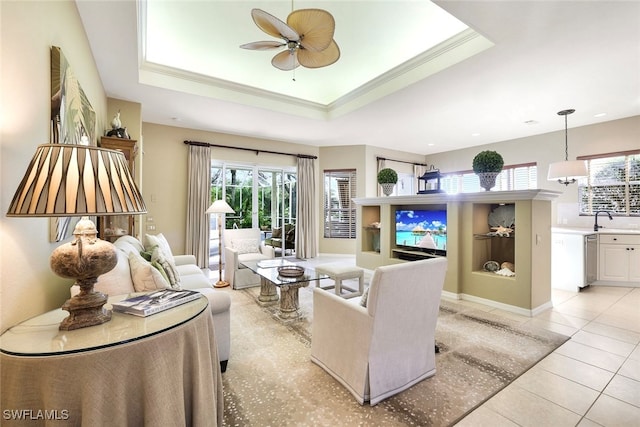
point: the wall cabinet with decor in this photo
(476, 248)
(619, 256)
(493, 237)
(111, 227)
(371, 227)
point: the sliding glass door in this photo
(276, 198)
(262, 197)
(238, 187)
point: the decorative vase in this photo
(487, 179)
(387, 188)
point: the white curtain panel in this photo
(198, 201)
(306, 232)
(381, 164)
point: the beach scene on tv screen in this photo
(422, 229)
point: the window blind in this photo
(339, 209)
(612, 184)
(515, 177)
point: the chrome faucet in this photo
(596, 227)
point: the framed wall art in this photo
(73, 121)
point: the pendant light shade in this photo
(567, 172)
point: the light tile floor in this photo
(591, 380)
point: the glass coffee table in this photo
(270, 280)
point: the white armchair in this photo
(243, 244)
(388, 346)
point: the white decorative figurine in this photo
(116, 123)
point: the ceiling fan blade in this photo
(265, 45)
(273, 26)
(286, 60)
(315, 26)
(312, 59)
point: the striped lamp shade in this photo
(76, 180)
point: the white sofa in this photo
(243, 244)
(386, 347)
(134, 274)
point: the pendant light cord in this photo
(566, 140)
(565, 113)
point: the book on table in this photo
(154, 302)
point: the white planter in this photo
(487, 179)
(387, 188)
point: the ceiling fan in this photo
(307, 35)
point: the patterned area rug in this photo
(271, 381)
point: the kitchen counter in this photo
(586, 231)
(581, 256)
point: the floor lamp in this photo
(220, 207)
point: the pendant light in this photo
(567, 172)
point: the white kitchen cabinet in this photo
(619, 257)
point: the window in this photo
(339, 209)
(613, 184)
(515, 177)
(260, 196)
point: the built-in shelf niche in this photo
(371, 233)
(487, 247)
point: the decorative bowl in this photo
(290, 271)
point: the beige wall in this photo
(130, 116)
(607, 137)
(131, 119)
(362, 158)
(340, 158)
(164, 183)
(164, 161)
(400, 167)
(28, 30)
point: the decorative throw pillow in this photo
(158, 240)
(145, 277)
(364, 297)
(117, 281)
(146, 254)
(246, 246)
(157, 256)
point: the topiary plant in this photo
(387, 176)
(487, 161)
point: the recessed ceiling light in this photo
(475, 134)
(531, 122)
(600, 115)
(431, 144)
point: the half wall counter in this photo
(497, 243)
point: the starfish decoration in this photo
(501, 231)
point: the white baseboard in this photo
(495, 304)
(617, 284)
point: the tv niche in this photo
(422, 230)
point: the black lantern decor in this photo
(429, 182)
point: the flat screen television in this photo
(421, 229)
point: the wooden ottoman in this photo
(339, 272)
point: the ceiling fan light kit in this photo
(307, 38)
